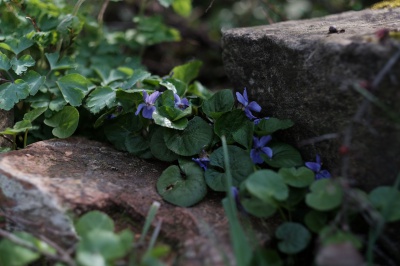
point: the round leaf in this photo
(64, 122)
(255, 206)
(266, 184)
(300, 177)
(182, 191)
(315, 220)
(332, 235)
(136, 144)
(325, 195)
(241, 166)
(230, 123)
(387, 201)
(159, 149)
(269, 126)
(119, 129)
(294, 237)
(195, 137)
(221, 102)
(284, 155)
(94, 220)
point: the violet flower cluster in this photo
(260, 147)
(316, 167)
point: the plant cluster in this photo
(64, 73)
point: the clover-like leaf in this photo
(293, 237)
(56, 64)
(35, 81)
(284, 155)
(26, 123)
(17, 45)
(221, 102)
(269, 126)
(387, 200)
(21, 65)
(182, 191)
(108, 75)
(241, 167)
(325, 195)
(190, 141)
(12, 93)
(266, 184)
(187, 72)
(94, 221)
(74, 88)
(297, 177)
(64, 122)
(158, 147)
(137, 76)
(229, 123)
(100, 98)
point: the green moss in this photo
(386, 4)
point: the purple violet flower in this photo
(148, 105)
(181, 103)
(235, 194)
(258, 120)
(316, 168)
(202, 162)
(259, 148)
(248, 107)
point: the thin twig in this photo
(209, 6)
(23, 243)
(100, 17)
(317, 139)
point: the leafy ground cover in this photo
(65, 73)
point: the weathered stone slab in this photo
(6, 120)
(40, 184)
(297, 70)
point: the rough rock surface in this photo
(297, 70)
(40, 184)
(6, 120)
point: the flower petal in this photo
(255, 156)
(318, 159)
(241, 99)
(148, 112)
(268, 151)
(323, 174)
(145, 96)
(256, 142)
(249, 114)
(153, 97)
(316, 167)
(253, 106)
(140, 107)
(264, 140)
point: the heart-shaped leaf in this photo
(181, 190)
(180, 124)
(94, 220)
(315, 220)
(175, 85)
(294, 237)
(190, 141)
(266, 184)
(269, 126)
(35, 81)
(221, 102)
(230, 123)
(189, 71)
(325, 195)
(387, 201)
(255, 206)
(297, 177)
(284, 155)
(137, 76)
(64, 122)
(158, 147)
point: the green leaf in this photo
(187, 72)
(20, 126)
(158, 147)
(136, 144)
(108, 75)
(316, 220)
(221, 102)
(93, 221)
(244, 135)
(153, 30)
(196, 88)
(182, 7)
(255, 206)
(297, 177)
(182, 191)
(17, 45)
(74, 88)
(138, 75)
(86, 258)
(165, 3)
(386, 200)
(229, 123)
(269, 126)
(120, 128)
(69, 25)
(34, 113)
(175, 85)
(241, 167)
(180, 124)
(35, 81)
(12, 93)
(266, 184)
(56, 64)
(21, 65)
(64, 122)
(4, 62)
(284, 155)
(100, 98)
(331, 235)
(294, 237)
(190, 141)
(266, 257)
(325, 195)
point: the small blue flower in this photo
(316, 168)
(235, 194)
(202, 162)
(248, 107)
(259, 148)
(181, 103)
(148, 105)
(258, 120)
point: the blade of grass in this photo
(241, 246)
(149, 219)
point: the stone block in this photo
(297, 70)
